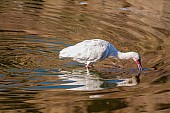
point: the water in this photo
(34, 79)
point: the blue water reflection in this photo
(44, 79)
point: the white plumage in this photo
(90, 51)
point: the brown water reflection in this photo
(32, 32)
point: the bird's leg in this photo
(87, 68)
(87, 65)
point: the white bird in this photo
(91, 51)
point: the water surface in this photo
(34, 79)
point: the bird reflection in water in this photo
(92, 82)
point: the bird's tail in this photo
(66, 53)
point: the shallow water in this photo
(34, 79)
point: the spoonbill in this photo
(94, 50)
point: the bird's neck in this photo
(124, 55)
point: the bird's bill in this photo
(138, 62)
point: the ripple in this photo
(32, 32)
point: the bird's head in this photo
(131, 55)
(136, 57)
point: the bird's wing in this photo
(91, 50)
